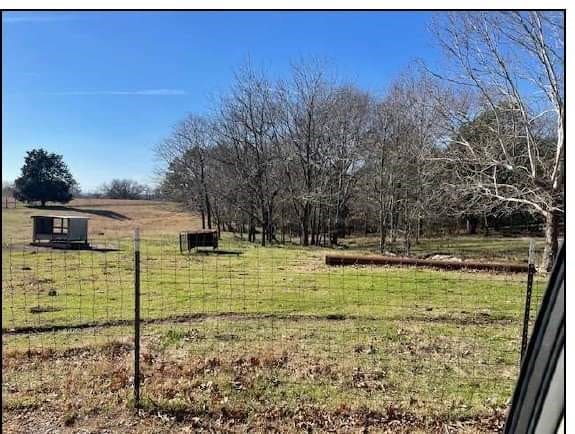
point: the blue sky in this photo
(102, 88)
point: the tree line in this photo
(45, 177)
(311, 156)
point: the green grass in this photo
(43, 287)
(489, 248)
(270, 328)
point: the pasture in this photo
(264, 339)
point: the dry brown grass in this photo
(109, 218)
(194, 393)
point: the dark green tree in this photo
(44, 177)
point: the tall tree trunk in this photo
(407, 235)
(382, 230)
(282, 227)
(208, 211)
(252, 231)
(551, 242)
(485, 225)
(305, 225)
(393, 227)
(305, 235)
(219, 222)
(335, 230)
(471, 223)
(313, 222)
(207, 205)
(319, 226)
(271, 229)
(382, 218)
(265, 223)
(339, 231)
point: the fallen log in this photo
(444, 265)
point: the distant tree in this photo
(7, 188)
(44, 177)
(122, 189)
(187, 175)
(76, 190)
(248, 128)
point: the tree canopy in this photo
(312, 156)
(45, 177)
(123, 189)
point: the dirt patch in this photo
(111, 350)
(335, 316)
(226, 337)
(44, 309)
(481, 318)
(195, 317)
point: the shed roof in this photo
(77, 217)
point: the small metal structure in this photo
(64, 231)
(201, 238)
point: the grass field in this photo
(109, 219)
(267, 339)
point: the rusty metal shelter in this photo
(201, 238)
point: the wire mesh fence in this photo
(10, 202)
(244, 334)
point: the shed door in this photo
(43, 226)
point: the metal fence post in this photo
(527, 315)
(137, 317)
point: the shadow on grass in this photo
(70, 246)
(217, 252)
(99, 212)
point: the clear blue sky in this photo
(102, 88)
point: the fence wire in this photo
(262, 336)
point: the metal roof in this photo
(77, 217)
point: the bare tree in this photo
(187, 174)
(305, 100)
(514, 63)
(349, 126)
(314, 157)
(401, 174)
(7, 188)
(248, 128)
(122, 189)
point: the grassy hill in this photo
(109, 218)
